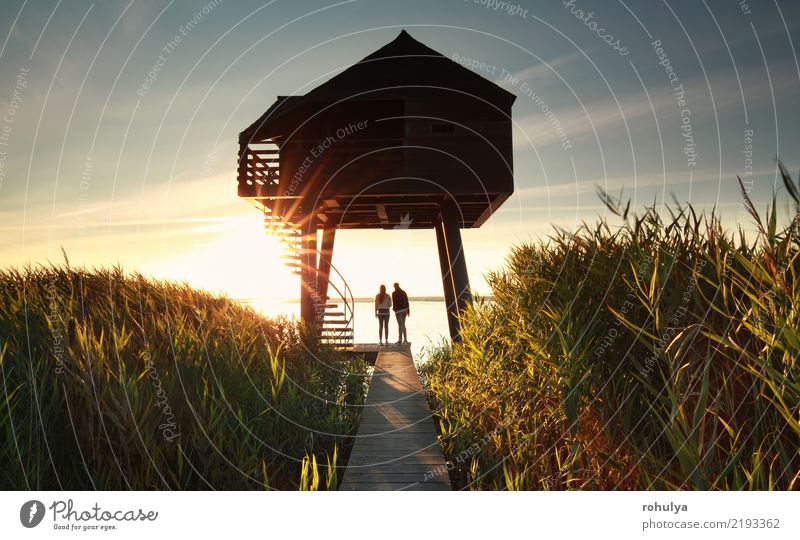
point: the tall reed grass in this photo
(120, 382)
(659, 354)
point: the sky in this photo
(118, 134)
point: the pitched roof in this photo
(403, 62)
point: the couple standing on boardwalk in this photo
(383, 303)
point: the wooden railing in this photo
(259, 169)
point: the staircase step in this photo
(332, 323)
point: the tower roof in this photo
(404, 62)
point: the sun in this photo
(238, 258)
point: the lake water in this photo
(427, 324)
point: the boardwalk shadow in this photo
(396, 447)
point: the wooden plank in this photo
(368, 477)
(394, 486)
(384, 464)
(378, 430)
(396, 446)
(407, 449)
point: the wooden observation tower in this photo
(405, 138)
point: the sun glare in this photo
(240, 259)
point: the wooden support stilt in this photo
(326, 252)
(454, 276)
(455, 253)
(447, 282)
(308, 273)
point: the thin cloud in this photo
(633, 182)
(542, 70)
(538, 129)
(94, 208)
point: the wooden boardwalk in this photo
(396, 446)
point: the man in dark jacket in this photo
(401, 311)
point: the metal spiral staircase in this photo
(334, 307)
(259, 176)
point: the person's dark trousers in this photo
(383, 325)
(401, 325)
